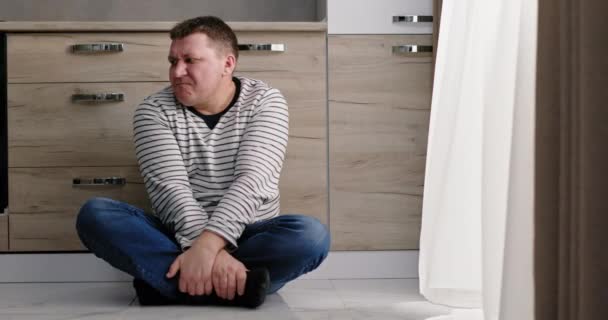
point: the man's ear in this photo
(229, 64)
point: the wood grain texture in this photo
(375, 220)
(47, 129)
(47, 57)
(301, 77)
(379, 115)
(4, 232)
(363, 69)
(44, 203)
(40, 58)
(44, 232)
(50, 190)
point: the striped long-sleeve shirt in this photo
(218, 179)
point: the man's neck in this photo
(221, 100)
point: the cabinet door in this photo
(379, 114)
(44, 203)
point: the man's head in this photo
(215, 29)
(203, 56)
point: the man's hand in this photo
(229, 276)
(196, 264)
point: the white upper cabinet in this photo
(378, 16)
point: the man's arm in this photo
(258, 167)
(165, 176)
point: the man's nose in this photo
(178, 70)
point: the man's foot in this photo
(149, 296)
(256, 286)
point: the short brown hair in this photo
(216, 29)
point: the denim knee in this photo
(314, 239)
(90, 214)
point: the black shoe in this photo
(258, 283)
(256, 286)
(149, 296)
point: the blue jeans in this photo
(138, 244)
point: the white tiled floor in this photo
(301, 299)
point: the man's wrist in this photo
(211, 241)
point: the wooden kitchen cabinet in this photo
(380, 84)
(53, 139)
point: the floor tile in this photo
(63, 298)
(311, 295)
(53, 315)
(304, 299)
(324, 315)
(376, 293)
(419, 310)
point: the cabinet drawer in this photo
(48, 128)
(40, 58)
(363, 69)
(367, 17)
(44, 203)
(304, 53)
(51, 190)
(44, 232)
(35, 58)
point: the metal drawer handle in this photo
(412, 18)
(99, 181)
(411, 49)
(98, 97)
(97, 47)
(274, 47)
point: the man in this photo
(210, 149)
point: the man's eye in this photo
(172, 62)
(189, 60)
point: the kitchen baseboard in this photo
(85, 267)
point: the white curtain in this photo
(477, 220)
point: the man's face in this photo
(197, 67)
